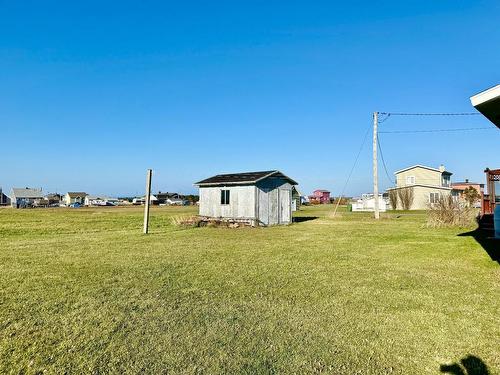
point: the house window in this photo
(434, 197)
(446, 181)
(224, 197)
(410, 180)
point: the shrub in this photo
(186, 221)
(447, 212)
(471, 196)
(343, 200)
(406, 197)
(393, 199)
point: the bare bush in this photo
(393, 199)
(447, 212)
(406, 197)
(186, 221)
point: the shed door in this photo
(285, 206)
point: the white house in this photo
(142, 200)
(367, 203)
(25, 197)
(74, 197)
(260, 198)
(171, 201)
(100, 201)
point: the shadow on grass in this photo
(470, 365)
(483, 238)
(301, 219)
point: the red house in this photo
(320, 196)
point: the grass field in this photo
(83, 291)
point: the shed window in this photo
(224, 197)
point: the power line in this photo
(430, 114)
(385, 119)
(352, 169)
(383, 161)
(434, 130)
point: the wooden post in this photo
(148, 199)
(375, 165)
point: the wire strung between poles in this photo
(434, 130)
(430, 114)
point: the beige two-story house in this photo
(428, 184)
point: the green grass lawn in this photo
(83, 291)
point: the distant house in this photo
(142, 200)
(459, 188)
(320, 196)
(54, 199)
(367, 203)
(172, 201)
(74, 197)
(168, 198)
(25, 197)
(100, 201)
(260, 198)
(428, 185)
(4, 200)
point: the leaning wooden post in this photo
(148, 199)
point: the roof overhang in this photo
(250, 182)
(424, 167)
(488, 103)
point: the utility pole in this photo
(375, 165)
(148, 199)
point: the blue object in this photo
(497, 221)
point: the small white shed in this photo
(261, 198)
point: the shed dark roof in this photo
(242, 178)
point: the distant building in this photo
(459, 188)
(54, 199)
(25, 197)
(172, 201)
(429, 185)
(4, 199)
(320, 196)
(74, 197)
(100, 201)
(367, 203)
(142, 200)
(260, 198)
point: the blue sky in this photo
(92, 94)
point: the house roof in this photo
(242, 178)
(488, 103)
(77, 194)
(422, 166)
(466, 183)
(162, 195)
(27, 193)
(321, 191)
